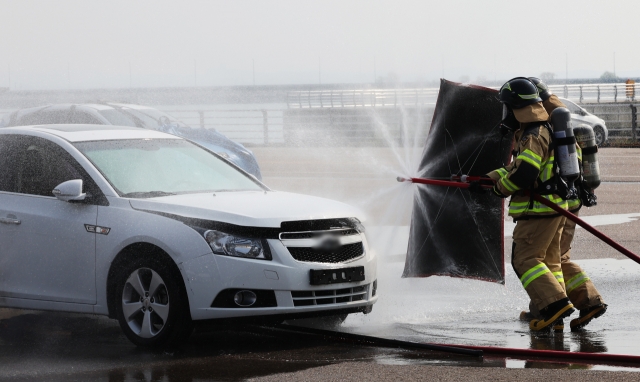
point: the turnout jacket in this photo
(532, 165)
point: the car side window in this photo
(35, 166)
(45, 117)
(82, 117)
(8, 167)
(573, 108)
(41, 167)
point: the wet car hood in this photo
(248, 208)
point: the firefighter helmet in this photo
(519, 92)
(543, 89)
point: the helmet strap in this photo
(509, 122)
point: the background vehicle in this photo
(580, 115)
(135, 116)
(157, 232)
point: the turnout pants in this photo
(581, 291)
(536, 259)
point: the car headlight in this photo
(229, 245)
(357, 225)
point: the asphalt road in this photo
(73, 347)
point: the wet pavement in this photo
(478, 313)
(74, 347)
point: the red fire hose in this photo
(461, 182)
(553, 354)
(478, 351)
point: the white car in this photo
(158, 232)
(581, 116)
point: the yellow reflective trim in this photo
(547, 169)
(527, 96)
(579, 151)
(559, 276)
(531, 270)
(573, 203)
(557, 200)
(576, 281)
(502, 172)
(532, 155)
(509, 184)
(516, 208)
(529, 158)
(533, 274)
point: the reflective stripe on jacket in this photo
(533, 164)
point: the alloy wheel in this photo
(145, 302)
(599, 135)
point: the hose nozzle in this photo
(401, 179)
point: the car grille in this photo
(342, 254)
(331, 296)
(312, 234)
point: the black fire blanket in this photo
(455, 232)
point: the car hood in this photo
(248, 208)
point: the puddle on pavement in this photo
(70, 347)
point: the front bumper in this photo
(208, 275)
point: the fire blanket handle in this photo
(463, 182)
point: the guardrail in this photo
(616, 92)
(362, 98)
(356, 114)
(249, 126)
(357, 121)
(611, 92)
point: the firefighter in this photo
(536, 237)
(579, 287)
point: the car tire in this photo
(598, 131)
(151, 303)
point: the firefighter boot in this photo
(527, 316)
(586, 315)
(552, 313)
(533, 313)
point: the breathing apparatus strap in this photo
(555, 185)
(566, 141)
(589, 150)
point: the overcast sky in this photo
(90, 44)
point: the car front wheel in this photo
(152, 304)
(599, 133)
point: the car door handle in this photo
(10, 221)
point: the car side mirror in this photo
(69, 191)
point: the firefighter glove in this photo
(476, 187)
(497, 192)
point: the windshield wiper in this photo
(147, 194)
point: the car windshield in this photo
(157, 167)
(118, 118)
(573, 107)
(153, 118)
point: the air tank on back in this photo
(565, 151)
(586, 139)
